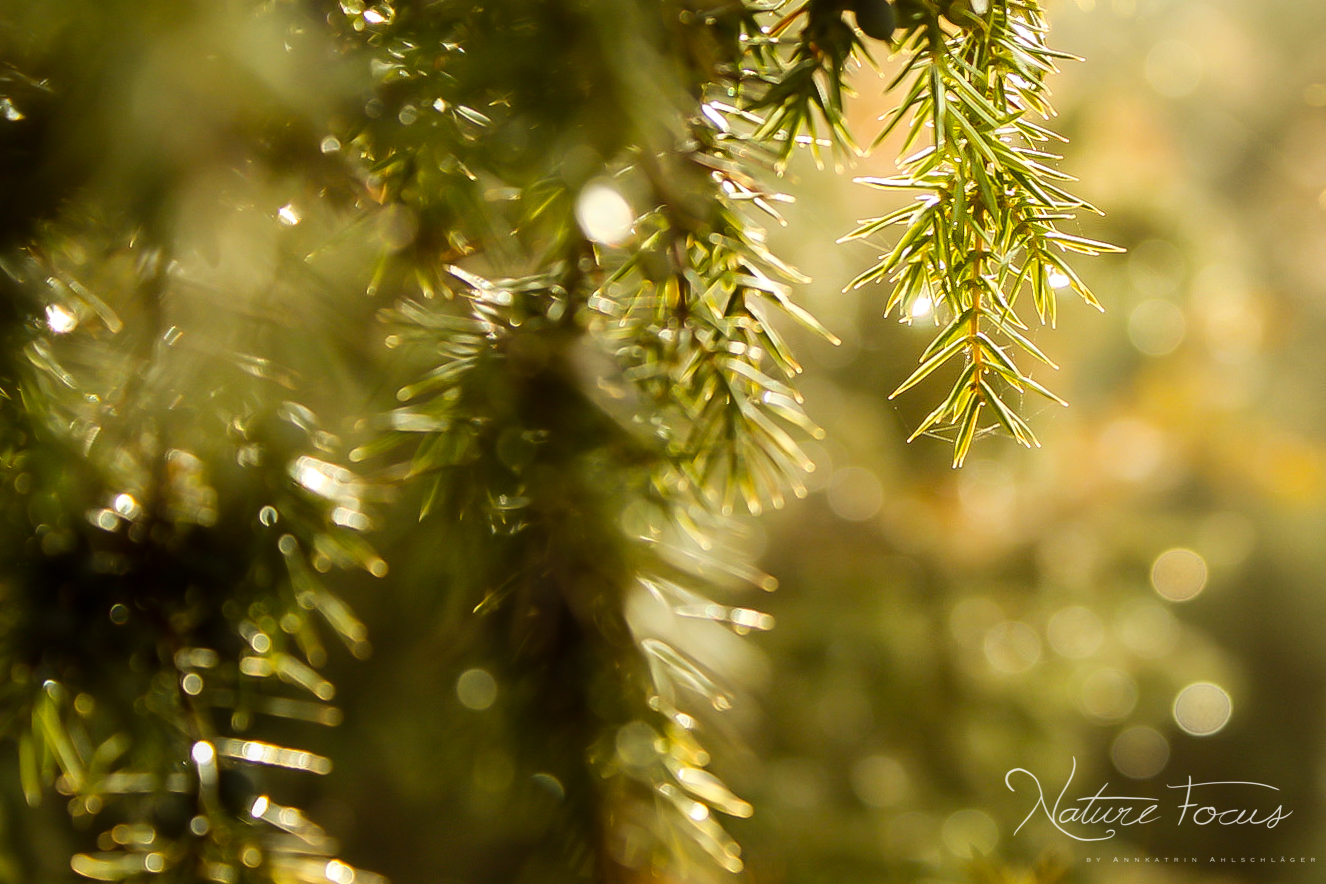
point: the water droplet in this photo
(126, 506)
(60, 319)
(289, 215)
(347, 517)
(751, 619)
(603, 214)
(336, 871)
(203, 753)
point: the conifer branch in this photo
(985, 224)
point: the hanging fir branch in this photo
(986, 223)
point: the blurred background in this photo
(1143, 593)
(1141, 597)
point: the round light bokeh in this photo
(1075, 632)
(1140, 752)
(855, 494)
(1109, 694)
(1202, 709)
(912, 835)
(970, 833)
(1179, 574)
(972, 618)
(476, 689)
(1131, 449)
(880, 781)
(1174, 68)
(1012, 647)
(1157, 327)
(1147, 628)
